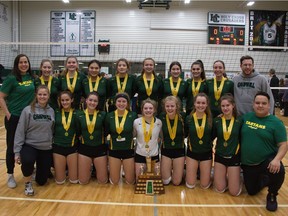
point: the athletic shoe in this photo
(11, 183)
(29, 189)
(271, 202)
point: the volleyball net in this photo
(162, 53)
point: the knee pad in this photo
(74, 181)
(208, 186)
(166, 181)
(190, 186)
(60, 182)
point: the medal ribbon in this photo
(66, 123)
(147, 134)
(70, 86)
(119, 128)
(218, 91)
(49, 82)
(175, 90)
(91, 124)
(121, 89)
(200, 129)
(195, 90)
(150, 87)
(227, 132)
(172, 131)
(96, 84)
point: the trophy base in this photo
(150, 184)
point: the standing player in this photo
(175, 85)
(46, 78)
(97, 83)
(218, 86)
(121, 82)
(148, 85)
(195, 85)
(71, 79)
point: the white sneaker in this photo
(28, 189)
(11, 183)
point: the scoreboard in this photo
(231, 35)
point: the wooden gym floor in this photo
(109, 200)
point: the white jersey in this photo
(269, 34)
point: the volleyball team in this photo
(55, 126)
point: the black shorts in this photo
(173, 153)
(92, 151)
(122, 154)
(142, 159)
(64, 151)
(228, 161)
(200, 156)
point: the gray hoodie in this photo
(35, 129)
(245, 88)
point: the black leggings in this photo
(253, 178)
(43, 159)
(10, 126)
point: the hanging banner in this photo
(73, 27)
(268, 28)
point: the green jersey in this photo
(129, 89)
(228, 87)
(194, 143)
(189, 94)
(260, 138)
(142, 94)
(178, 142)
(124, 140)
(19, 94)
(232, 145)
(54, 91)
(78, 92)
(62, 137)
(102, 91)
(96, 138)
(167, 88)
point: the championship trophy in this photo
(150, 181)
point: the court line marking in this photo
(140, 204)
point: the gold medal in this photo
(66, 123)
(150, 87)
(218, 90)
(227, 131)
(216, 103)
(195, 90)
(95, 88)
(200, 128)
(172, 130)
(71, 86)
(91, 137)
(121, 89)
(146, 146)
(49, 82)
(66, 134)
(119, 137)
(175, 90)
(120, 126)
(172, 143)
